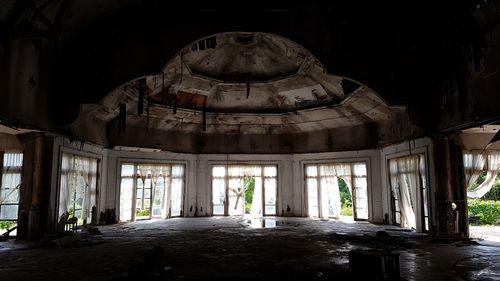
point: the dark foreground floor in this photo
(235, 249)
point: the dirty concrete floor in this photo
(491, 233)
(237, 249)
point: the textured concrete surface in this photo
(239, 249)
(488, 233)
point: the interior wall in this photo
(290, 197)
(412, 147)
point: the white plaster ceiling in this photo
(255, 83)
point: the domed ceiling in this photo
(242, 83)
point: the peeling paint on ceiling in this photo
(247, 83)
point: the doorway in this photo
(337, 190)
(410, 192)
(482, 177)
(244, 190)
(151, 191)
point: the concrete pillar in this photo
(35, 219)
(444, 192)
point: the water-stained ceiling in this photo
(243, 83)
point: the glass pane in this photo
(79, 213)
(271, 210)
(8, 212)
(138, 204)
(312, 197)
(270, 171)
(147, 204)
(138, 194)
(270, 195)
(147, 183)
(253, 171)
(218, 210)
(12, 160)
(327, 170)
(219, 171)
(127, 170)
(157, 211)
(360, 169)
(218, 195)
(426, 208)
(9, 195)
(235, 171)
(398, 218)
(11, 180)
(177, 171)
(361, 197)
(311, 171)
(330, 197)
(147, 193)
(176, 193)
(158, 200)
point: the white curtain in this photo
(126, 192)
(78, 185)
(473, 166)
(257, 197)
(176, 189)
(360, 187)
(90, 180)
(491, 175)
(330, 194)
(255, 172)
(344, 171)
(404, 182)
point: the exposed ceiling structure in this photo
(481, 138)
(200, 78)
(245, 83)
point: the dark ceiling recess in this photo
(245, 39)
(348, 86)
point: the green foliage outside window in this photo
(249, 189)
(488, 211)
(345, 198)
(486, 208)
(7, 224)
(142, 212)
